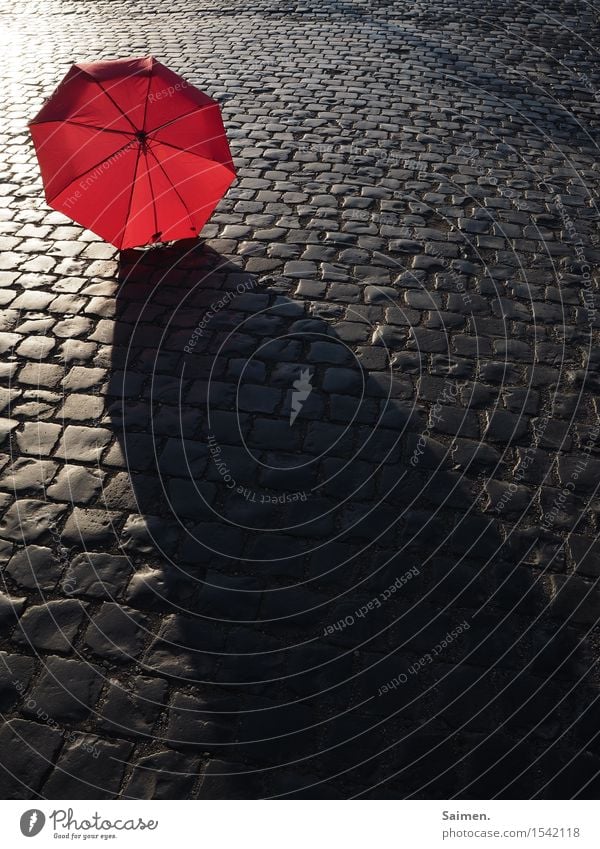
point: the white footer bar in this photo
(302, 824)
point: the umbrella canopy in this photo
(133, 152)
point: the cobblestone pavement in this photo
(308, 509)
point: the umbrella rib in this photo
(137, 162)
(179, 117)
(87, 170)
(191, 152)
(114, 102)
(152, 194)
(93, 127)
(160, 165)
(81, 124)
(148, 93)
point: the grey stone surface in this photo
(89, 768)
(29, 750)
(28, 519)
(117, 633)
(34, 567)
(50, 626)
(97, 575)
(66, 690)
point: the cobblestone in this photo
(28, 519)
(34, 567)
(67, 690)
(51, 626)
(89, 768)
(29, 762)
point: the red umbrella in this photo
(133, 152)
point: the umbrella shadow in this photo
(338, 610)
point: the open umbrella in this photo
(133, 152)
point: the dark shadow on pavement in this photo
(336, 609)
